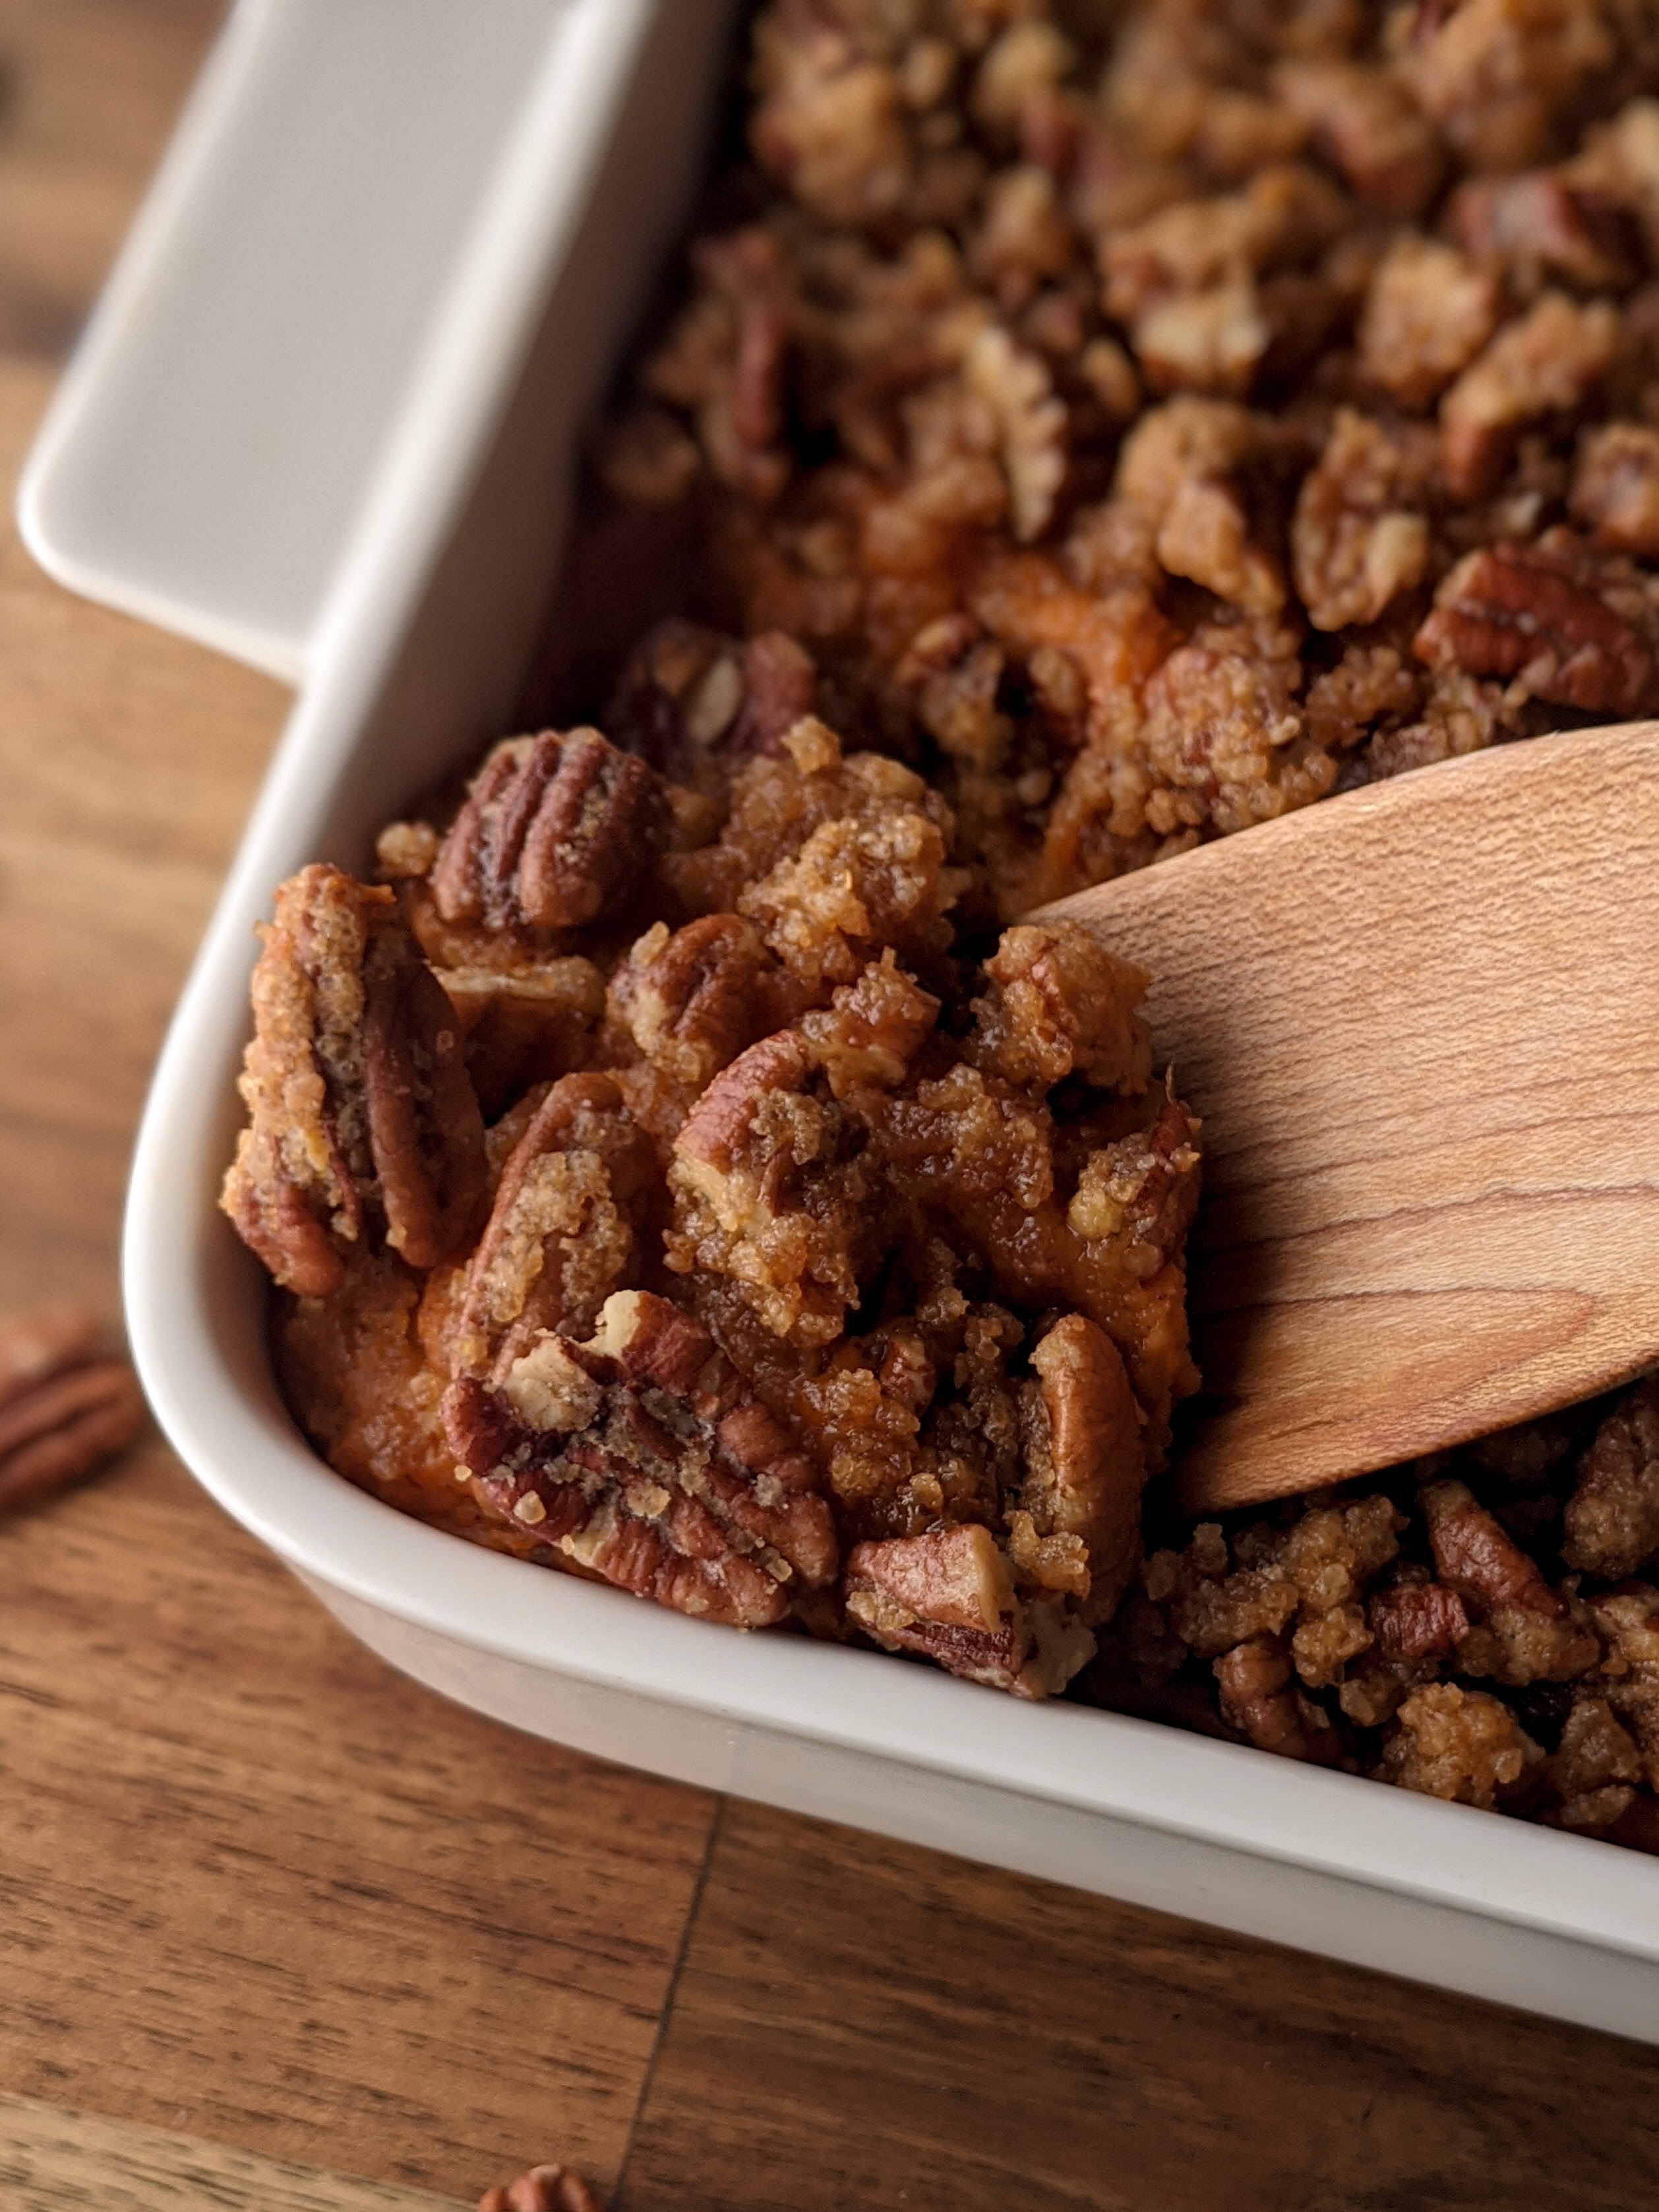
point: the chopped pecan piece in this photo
(1259, 1697)
(1595, 1768)
(361, 1108)
(564, 1232)
(689, 698)
(63, 1410)
(525, 1024)
(1141, 1194)
(771, 1189)
(1417, 1621)
(835, 859)
(1427, 314)
(1359, 538)
(1459, 1744)
(1628, 1618)
(1544, 363)
(1527, 1631)
(872, 1030)
(644, 1456)
(1533, 612)
(1367, 127)
(1615, 487)
(555, 832)
(1612, 1517)
(948, 1596)
(1543, 224)
(1498, 77)
(1060, 1004)
(1186, 465)
(1086, 1466)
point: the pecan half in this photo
(564, 1232)
(689, 1000)
(360, 1109)
(525, 1024)
(948, 1596)
(63, 1412)
(1536, 613)
(554, 832)
(544, 2188)
(644, 1456)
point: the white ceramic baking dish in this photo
(408, 602)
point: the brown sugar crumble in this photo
(1081, 431)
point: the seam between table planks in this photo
(717, 1828)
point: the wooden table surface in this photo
(280, 1929)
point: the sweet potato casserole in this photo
(1081, 431)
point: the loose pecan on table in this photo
(544, 2188)
(643, 1456)
(63, 1410)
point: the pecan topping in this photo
(544, 2188)
(690, 698)
(1458, 1744)
(644, 1456)
(63, 1411)
(525, 1024)
(772, 1188)
(1422, 1620)
(1060, 1004)
(688, 1000)
(1084, 1462)
(1526, 611)
(564, 1231)
(1543, 364)
(361, 1108)
(1527, 1631)
(555, 833)
(1613, 1517)
(1615, 487)
(1259, 1697)
(949, 1596)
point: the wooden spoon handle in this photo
(1421, 1023)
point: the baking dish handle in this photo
(254, 349)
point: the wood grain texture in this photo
(58, 2161)
(88, 91)
(858, 2023)
(1421, 1023)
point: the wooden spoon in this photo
(1421, 1023)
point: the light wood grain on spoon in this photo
(1421, 1022)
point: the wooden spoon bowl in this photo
(1421, 1023)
